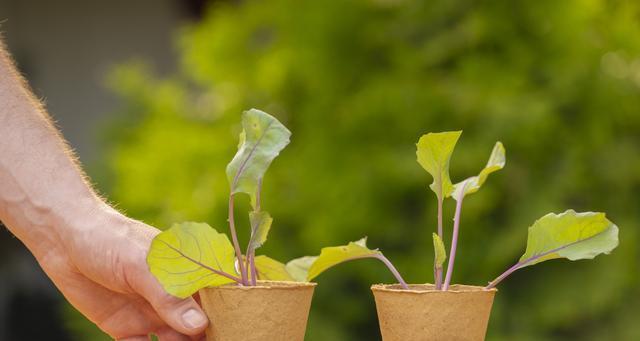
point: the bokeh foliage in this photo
(357, 82)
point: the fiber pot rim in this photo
(267, 285)
(427, 288)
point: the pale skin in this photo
(94, 254)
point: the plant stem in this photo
(525, 262)
(236, 246)
(393, 270)
(438, 270)
(251, 252)
(379, 256)
(454, 244)
(504, 275)
(247, 264)
(252, 266)
(440, 217)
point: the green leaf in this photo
(440, 253)
(470, 185)
(191, 256)
(569, 235)
(330, 256)
(434, 153)
(271, 270)
(299, 268)
(260, 225)
(261, 140)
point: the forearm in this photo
(41, 187)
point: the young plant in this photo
(434, 152)
(190, 256)
(568, 235)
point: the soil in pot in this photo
(266, 312)
(423, 313)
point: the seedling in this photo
(190, 256)
(568, 235)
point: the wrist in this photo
(82, 218)
(43, 228)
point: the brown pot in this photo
(423, 313)
(266, 312)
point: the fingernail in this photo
(193, 319)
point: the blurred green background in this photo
(358, 82)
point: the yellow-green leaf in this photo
(261, 140)
(440, 253)
(434, 153)
(298, 268)
(569, 235)
(271, 270)
(191, 256)
(330, 256)
(470, 185)
(260, 225)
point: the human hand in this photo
(94, 255)
(98, 263)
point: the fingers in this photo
(135, 338)
(117, 314)
(168, 334)
(164, 334)
(183, 315)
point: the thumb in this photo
(183, 315)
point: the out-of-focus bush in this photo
(357, 82)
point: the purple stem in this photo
(252, 266)
(393, 270)
(438, 270)
(236, 246)
(454, 244)
(251, 252)
(247, 260)
(383, 259)
(529, 260)
(504, 275)
(440, 218)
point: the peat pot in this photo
(423, 313)
(266, 312)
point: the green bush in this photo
(358, 82)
